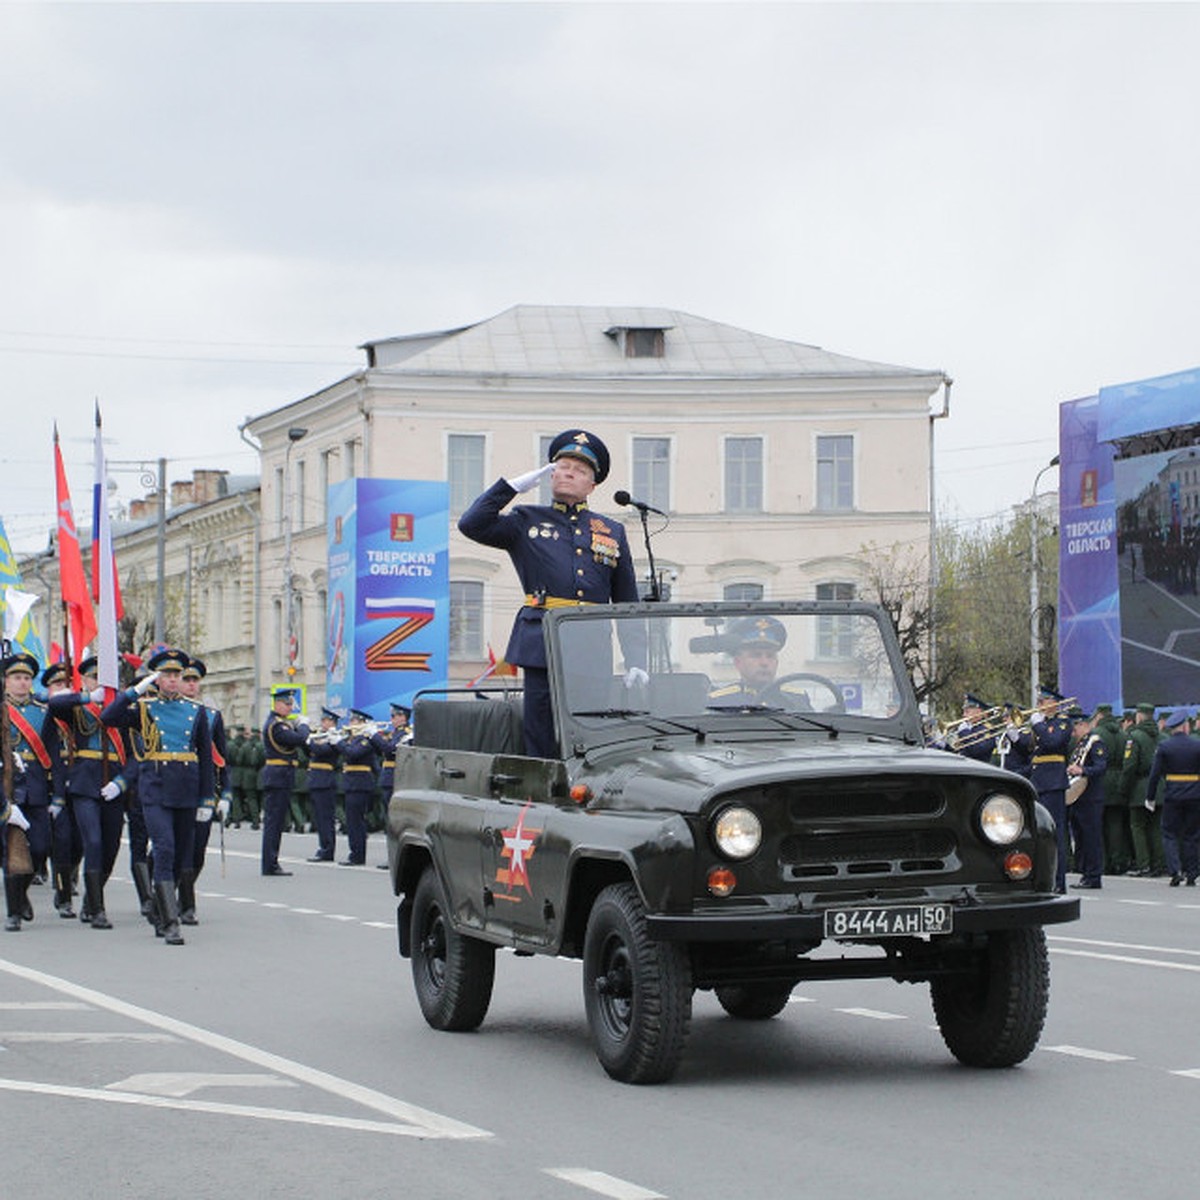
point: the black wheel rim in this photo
(614, 987)
(433, 949)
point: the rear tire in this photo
(452, 974)
(993, 1017)
(753, 1001)
(637, 991)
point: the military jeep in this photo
(704, 830)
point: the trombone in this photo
(1000, 718)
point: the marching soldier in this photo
(564, 555)
(974, 738)
(39, 788)
(175, 775)
(282, 739)
(218, 804)
(1177, 762)
(1047, 739)
(360, 774)
(324, 751)
(1089, 763)
(1145, 821)
(95, 760)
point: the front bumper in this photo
(745, 926)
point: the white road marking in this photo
(42, 1005)
(1143, 903)
(602, 1184)
(1126, 945)
(229, 1110)
(1083, 1052)
(307, 912)
(184, 1083)
(1193, 1073)
(802, 1000)
(379, 924)
(872, 1013)
(274, 904)
(338, 917)
(1126, 958)
(32, 1036)
(423, 1123)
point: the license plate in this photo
(903, 920)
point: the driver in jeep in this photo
(755, 643)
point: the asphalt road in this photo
(281, 1053)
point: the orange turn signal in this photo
(721, 881)
(1018, 865)
(581, 793)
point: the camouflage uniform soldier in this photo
(1118, 851)
(1145, 826)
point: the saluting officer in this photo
(564, 555)
(360, 774)
(282, 738)
(218, 804)
(95, 761)
(1089, 762)
(1177, 761)
(39, 786)
(324, 751)
(1047, 740)
(175, 775)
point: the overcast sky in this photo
(205, 209)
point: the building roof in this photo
(566, 340)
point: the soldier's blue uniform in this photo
(1014, 754)
(175, 776)
(95, 762)
(282, 740)
(324, 753)
(39, 788)
(974, 737)
(360, 785)
(1177, 762)
(398, 733)
(1047, 741)
(564, 554)
(760, 639)
(1087, 812)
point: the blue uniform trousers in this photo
(1056, 803)
(100, 823)
(1087, 818)
(324, 802)
(539, 715)
(1181, 837)
(276, 802)
(171, 831)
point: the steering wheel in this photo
(774, 694)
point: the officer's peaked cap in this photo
(20, 664)
(1177, 718)
(167, 659)
(56, 671)
(578, 443)
(757, 631)
(195, 668)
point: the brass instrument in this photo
(327, 737)
(992, 725)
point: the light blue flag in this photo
(25, 637)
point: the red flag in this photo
(496, 666)
(71, 578)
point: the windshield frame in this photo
(598, 726)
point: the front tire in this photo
(637, 991)
(753, 1001)
(993, 1016)
(452, 974)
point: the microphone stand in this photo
(655, 588)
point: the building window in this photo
(350, 455)
(743, 474)
(835, 635)
(742, 591)
(652, 471)
(280, 498)
(301, 494)
(466, 619)
(645, 343)
(324, 479)
(464, 468)
(835, 471)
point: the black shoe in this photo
(1176, 880)
(1190, 881)
(1083, 884)
(38, 879)
(12, 925)
(351, 862)
(255, 825)
(277, 870)
(26, 910)
(321, 858)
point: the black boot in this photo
(62, 894)
(14, 895)
(145, 891)
(187, 898)
(94, 894)
(168, 909)
(24, 882)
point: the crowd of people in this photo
(1124, 790)
(84, 768)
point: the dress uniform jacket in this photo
(282, 740)
(979, 745)
(562, 554)
(92, 755)
(1177, 763)
(1047, 743)
(35, 742)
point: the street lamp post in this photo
(1035, 624)
(294, 434)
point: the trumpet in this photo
(326, 737)
(363, 728)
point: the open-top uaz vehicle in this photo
(697, 833)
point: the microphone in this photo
(624, 498)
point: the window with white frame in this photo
(652, 471)
(835, 635)
(464, 468)
(743, 474)
(466, 619)
(835, 471)
(742, 591)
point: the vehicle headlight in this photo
(737, 832)
(1001, 819)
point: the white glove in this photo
(18, 762)
(1036, 719)
(56, 807)
(530, 480)
(636, 677)
(96, 695)
(1150, 806)
(111, 790)
(17, 817)
(223, 807)
(204, 814)
(142, 687)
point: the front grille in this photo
(869, 853)
(877, 798)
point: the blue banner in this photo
(388, 618)
(1089, 626)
